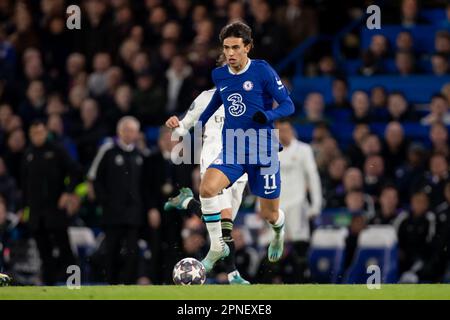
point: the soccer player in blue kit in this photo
(247, 89)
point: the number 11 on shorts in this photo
(267, 179)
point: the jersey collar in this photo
(243, 70)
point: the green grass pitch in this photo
(222, 292)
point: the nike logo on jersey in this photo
(279, 82)
(269, 192)
(221, 89)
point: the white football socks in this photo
(211, 217)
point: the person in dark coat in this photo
(164, 232)
(117, 176)
(50, 200)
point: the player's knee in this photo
(269, 215)
(207, 191)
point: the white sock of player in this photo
(278, 226)
(211, 217)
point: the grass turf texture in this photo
(222, 292)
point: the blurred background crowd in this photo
(373, 104)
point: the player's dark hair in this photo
(237, 29)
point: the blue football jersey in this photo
(243, 94)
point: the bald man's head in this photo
(128, 129)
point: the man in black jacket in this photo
(117, 174)
(50, 200)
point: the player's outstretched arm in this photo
(214, 104)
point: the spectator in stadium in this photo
(439, 64)
(439, 139)
(339, 91)
(410, 172)
(327, 66)
(24, 35)
(89, 132)
(75, 69)
(389, 211)
(416, 236)
(369, 65)
(47, 164)
(409, 14)
(354, 151)
(394, 147)
(164, 229)
(438, 111)
(358, 221)
(445, 91)
(34, 106)
(326, 150)
(149, 99)
(96, 30)
(361, 112)
(55, 127)
(378, 98)
(374, 175)
(97, 83)
(8, 188)
(117, 173)
(267, 33)
(299, 21)
(179, 86)
(15, 147)
(370, 146)
(332, 182)
(442, 42)
(314, 109)
(433, 181)
(114, 78)
(122, 106)
(404, 41)
(379, 48)
(399, 109)
(405, 63)
(353, 180)
(246, 256)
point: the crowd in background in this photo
(150, 59)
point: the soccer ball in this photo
(189, 271)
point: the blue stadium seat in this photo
(152, 135)
(302, 86)
(423, 36)
(434, 16)
(326, 255)
(377, 245)
(416, 88)
(304, 131)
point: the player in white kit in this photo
(299, 172)
(230, 199)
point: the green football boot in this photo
(236, 278)
(177, 201)
(276, 245)
(213, 256)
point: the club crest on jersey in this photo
(248, 85)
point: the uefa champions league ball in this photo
(189, 271)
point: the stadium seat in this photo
(326, 255)
(423, 36)
(434, 16)
(377, 245)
